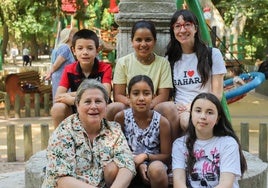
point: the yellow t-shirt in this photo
(159, 71)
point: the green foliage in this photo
(107, 19)
(99, 15)
(256, 28)
(30, 19)
(25, 18)
(35, 21)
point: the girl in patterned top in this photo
(148, 134)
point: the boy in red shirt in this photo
(85, 46)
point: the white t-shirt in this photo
(186, 79)
(14, 52)
(213, 156)
(25, 51)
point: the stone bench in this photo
(255, 177)
(34, 175)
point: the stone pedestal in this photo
(34, 174)
(256, 175)
(158, 11)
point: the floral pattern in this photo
(70, 152)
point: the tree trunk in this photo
(231, 33)
(5, 40)
(237, 27)
(3, 43)
(34, 48)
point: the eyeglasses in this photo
(186, 25)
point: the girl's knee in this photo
(113, 109)
(157, 169)
(165, 108)
(157, 174)
(184, 120)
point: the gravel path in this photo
(11, 167)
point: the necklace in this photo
(143, 124)
(146, 61)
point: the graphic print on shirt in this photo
(189, 77)
(206, 172)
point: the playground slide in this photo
(254, 80)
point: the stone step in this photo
(255, 177)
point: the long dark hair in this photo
(222, 128)
(174, 49)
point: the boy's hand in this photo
(65, 98)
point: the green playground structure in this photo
(1, 55)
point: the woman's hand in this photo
(48, 76)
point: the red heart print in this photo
(190, 73)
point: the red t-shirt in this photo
(72, 75)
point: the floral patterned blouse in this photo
(70, 152)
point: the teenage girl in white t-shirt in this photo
(209, 155)
(191, 71)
